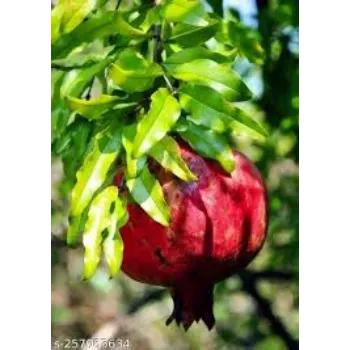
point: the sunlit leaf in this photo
(132, 72)
(209, 144)
(86, 56)
(78, 79)
(133, 165)
(185, 11)
(191, 35)
(75, 228)
(98, 220)
(93, 172)
(92, 108)
(167, 153)
(74, 13)
(162, 115)
(56, 17)
(99, 26)
(147, 192)
(113, 244)
(194, 53)
(207, 72)
(208, 108)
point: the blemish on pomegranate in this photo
(159, 255)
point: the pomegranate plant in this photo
(144, 117)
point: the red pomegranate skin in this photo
(218, 224)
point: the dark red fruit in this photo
(218, 225)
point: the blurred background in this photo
(257, 309)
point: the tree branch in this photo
(153, 295)
(157, 44)
(270, 274)
(265, 310)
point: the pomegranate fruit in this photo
(218, 224)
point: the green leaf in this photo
(59, 120)
(133, 73)
(77, 80)
(190, 35)
(208, 108)
(74, 13)
(194, 53)
(167, 153)
(209, 144)
(93, 172)
(163, 114)
(57, 77)
(133, 165)
(218, 6)
(244, 39)
(76, 226)
(76, 135)
(148, 193)
(219, 77)
(185, 11)
(99, 219)
(93, 108)
(56, 17)
(97, 27)
(113, 245)
(153, 17)
(59, 110)
(85, 56)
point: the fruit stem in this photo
(157, 44)
(157, 55)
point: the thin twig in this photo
(168, 82)
(118, 4)
(249, 286)
(157, 44)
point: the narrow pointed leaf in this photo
(113, 244)
(113, 251)
(132, 72)
(56, 18)
(208, 108)
(93, 172)
(246, 40)
(153, 17)
(209, 144)
(123, 215)
(77, 80)
(184, 11)
(59, 110)
(133, 165)
(92, 108)
(148, 193)
(167, 153)
(194, 53)
(76, 226)
(244, 123)
(84, 57)
(97, 27)
(97, 222)
(190, 35)
(163, 114)
(219, 77)
(75, 12)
